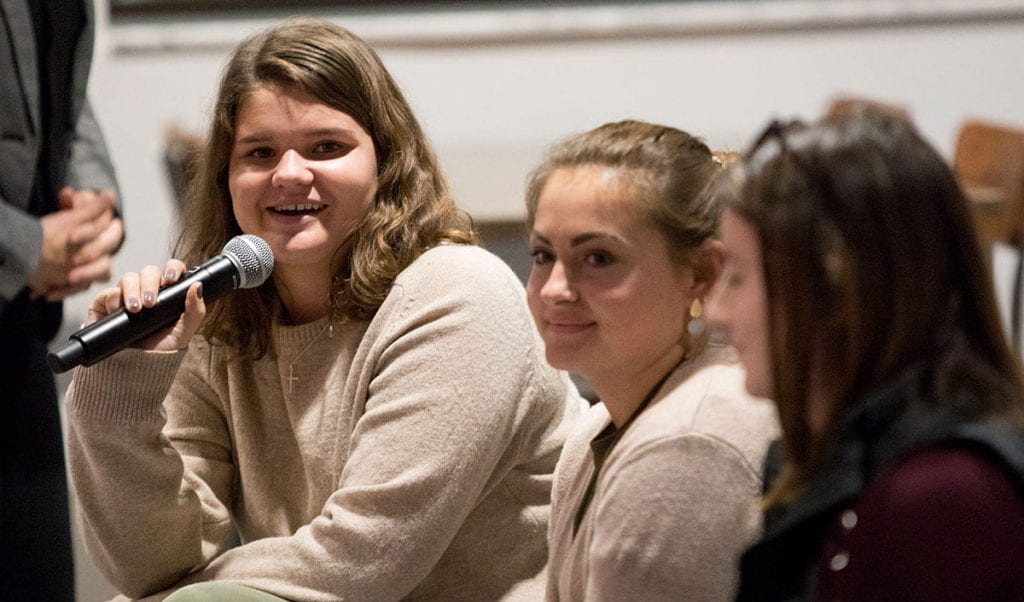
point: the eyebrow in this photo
(579, 239)
(317, 133)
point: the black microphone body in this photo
(120, 329)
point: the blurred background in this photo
(493, 83)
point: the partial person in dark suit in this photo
(58, 230)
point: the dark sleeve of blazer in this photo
(21, 243)
(21, 234)
(89, 165)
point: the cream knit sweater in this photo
(676, 502)
(413, 458)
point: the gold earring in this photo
(696, 326)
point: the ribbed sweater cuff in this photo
(127, 387)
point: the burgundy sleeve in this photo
(945, 524)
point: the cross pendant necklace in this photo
(291, 364)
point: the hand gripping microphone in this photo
(245, 262)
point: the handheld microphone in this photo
(245, 262)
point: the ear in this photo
(707, 266)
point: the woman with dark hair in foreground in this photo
(856, 297)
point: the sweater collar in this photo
(290, 337)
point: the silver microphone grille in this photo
(253, 257)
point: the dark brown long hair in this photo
(412, 212)
(871, 267)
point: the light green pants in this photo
(218, 591)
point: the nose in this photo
(558, 286)
(292, 170)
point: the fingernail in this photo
(170, 276)
(199, 290)
(148, 298)
(133, 303)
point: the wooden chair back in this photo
(989, 162)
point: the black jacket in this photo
(879, 432)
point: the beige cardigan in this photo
(676, 501)
(413, 459)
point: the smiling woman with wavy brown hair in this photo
(413, 209)
(376, 421)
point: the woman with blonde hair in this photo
(375, 421)
(656, 492)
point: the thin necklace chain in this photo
(291, 364)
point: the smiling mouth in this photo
(568, 327)
(299, 209)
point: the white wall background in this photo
(493, 87)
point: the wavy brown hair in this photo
(873, 274)
(412, 212)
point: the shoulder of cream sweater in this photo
(481, 302)
(463, 285)
(712, 403)
(462, 267)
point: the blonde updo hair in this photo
(667, 170)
